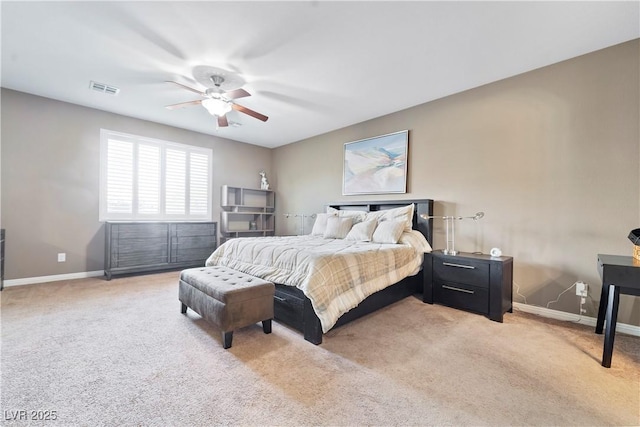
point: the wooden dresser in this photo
(135, 247)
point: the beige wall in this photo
(50, 179)
(551, 156)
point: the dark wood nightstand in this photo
(473, 282)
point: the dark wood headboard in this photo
(422, 206)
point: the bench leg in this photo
(183, 308)
(227, 337)
(266, 326)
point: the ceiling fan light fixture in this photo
(216, 107)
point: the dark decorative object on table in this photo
(634, 236)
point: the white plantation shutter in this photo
(149, 170)
(198, 183)
(119, 177)
(148, 179)
(176, 189)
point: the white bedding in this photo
(335, 274)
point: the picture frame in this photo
(376, 165)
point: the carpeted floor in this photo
(119, 353)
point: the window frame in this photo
(135, 216)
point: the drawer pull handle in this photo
(276, 297)
(450, 264)
(452, 288)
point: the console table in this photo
(620, 274)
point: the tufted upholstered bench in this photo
(227, 298)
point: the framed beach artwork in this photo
(376, 165)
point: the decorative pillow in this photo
(362, 231)
(337, 228)
(357, 216)
(388, 231)
(403, 213)
(416, 240)
(320, 224)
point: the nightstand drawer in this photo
(461, 270)
(465, 297)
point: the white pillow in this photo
(320, 224)
(403, 213)
(357, 216)
(388, 231)
(337, 228)
(362, 231)
(416, 240)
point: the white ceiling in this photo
(311, 66)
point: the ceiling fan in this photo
(218, 101)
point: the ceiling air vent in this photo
(101, 87)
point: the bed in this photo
(324, 282)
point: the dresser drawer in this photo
(461, 270)
(194, 229)
(288, 306)
(462, 296)
(140, 230)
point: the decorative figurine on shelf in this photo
(264, 184)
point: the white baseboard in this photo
(54, 278)
(624, 328)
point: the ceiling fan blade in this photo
(235, 94)
(187, 87)
(250, 112)
(222, 121)
(183, 104)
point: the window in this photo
(149, 179)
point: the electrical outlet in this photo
(62, 257)
(582, 289)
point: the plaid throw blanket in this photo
(335, 274)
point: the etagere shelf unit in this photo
(246, 212)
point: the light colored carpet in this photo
(119, 353)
